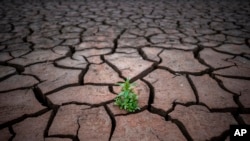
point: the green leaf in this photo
(127, 99)
(121, 93)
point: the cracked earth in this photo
(60, 61)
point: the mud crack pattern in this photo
(60, 61)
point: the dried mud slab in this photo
(5, 134)
(238, 86)
(94, 44)
(66, 120)
(242, 68)
(17, 81)
(34, 125)
(106, 75)
(16, 104)
(95, 125)
(5, 56)
(82, 94)
(89, 124)
(132, 42)
(6, 70)
(145, 126)
(234, 48)
(200, 123)
(211, 94)
(179, 61)
(215, 59)
(152, 53)
(130, 65)
(92, 52)
(68, 62)
(169, 88)
(52, 77)
(246, 118)
(36, 56)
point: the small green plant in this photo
(127, 99)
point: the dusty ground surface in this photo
(60, 60)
